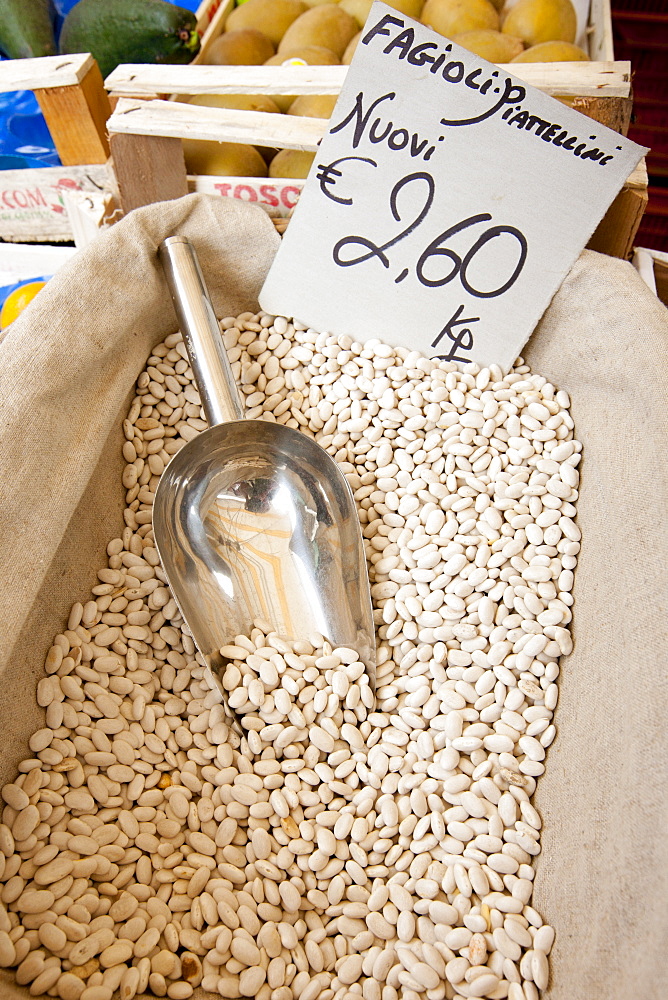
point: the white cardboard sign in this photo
(446, 203)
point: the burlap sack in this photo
(67, 368)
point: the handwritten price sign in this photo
(446, 203)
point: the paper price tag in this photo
(446, 203)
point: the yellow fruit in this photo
(359, 9)
(225, 159)
(536, 21)
(313, 106)
(552, 52)
(242, 102)
(271, 17)
(312, 55)
(454, 17)
(244, 47)
(291, 163)
(17, 300)
(411, 8)
(491, 45)
(350, 49)
(327, 25)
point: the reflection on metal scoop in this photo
(254, 520)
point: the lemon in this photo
(17, 300)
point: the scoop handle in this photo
(201, 334)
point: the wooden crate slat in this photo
(613, 112)
(211, 184)
(616, 232)
(638, 180)
(142, 117)
(47, 71)
(182, 121)
(136, 80)
(567, 79)
(599, 31)
(148, 169)
(77, 118)
(594, 79)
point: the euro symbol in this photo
(327, 175)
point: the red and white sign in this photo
(277, 197)
(32, 202)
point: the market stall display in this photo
(149, 158)
(95, 536)
(31, 29)
(34, 208)
(281, 828)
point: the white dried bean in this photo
(336, 847)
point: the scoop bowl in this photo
(254, 521)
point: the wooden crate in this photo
(652, 265)
(37, 204)
(146, 134)
(71, 95)
(600, 89)
(600, 43)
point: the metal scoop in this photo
(253, 520)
